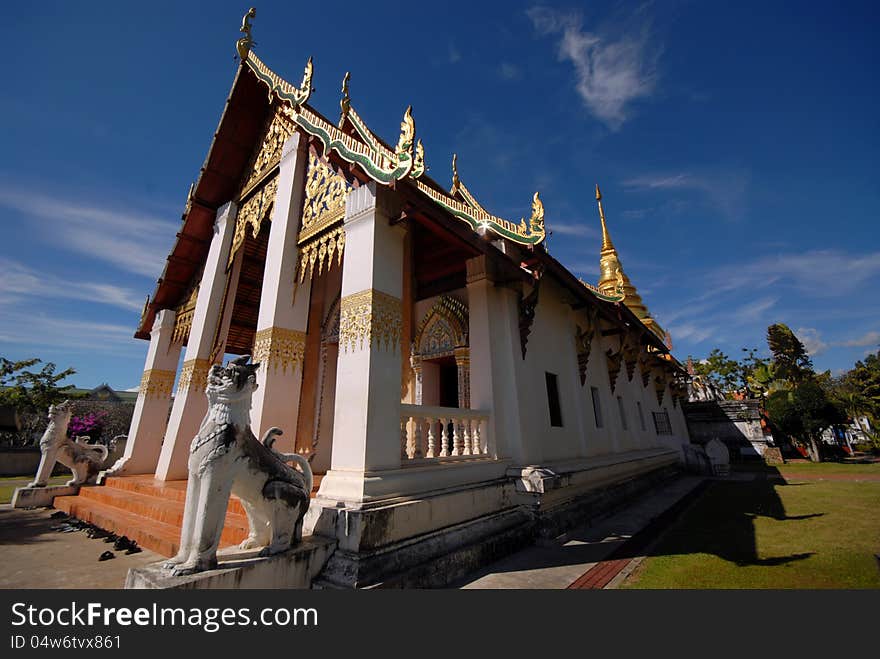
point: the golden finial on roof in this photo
(606, 238)
(345, 103)
(536, 222)
(244, 44)
(407, 132)
(455, 180)
(306, 85)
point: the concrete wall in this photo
(737, 423)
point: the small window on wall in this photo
(553, 400)
(622, 413)
(661, 423)
(641, 415)
(597, 406)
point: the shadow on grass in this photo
(722, 521)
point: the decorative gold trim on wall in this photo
(156, 383)
(370, 316)
(279, 346)
(252, 212)
(193, 375)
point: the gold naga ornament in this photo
(362, 147)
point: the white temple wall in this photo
(550, 349)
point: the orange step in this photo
(148, 511)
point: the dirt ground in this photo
(33, 555)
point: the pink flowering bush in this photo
(90, 423)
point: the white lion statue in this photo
(226, 458)
(56, 446)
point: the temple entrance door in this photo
(448, 372)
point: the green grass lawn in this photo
(813, 468)
(757, 534)
(9, 483)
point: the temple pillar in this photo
(190, 402)
(463, 370)
(366, 426)
(154, 398)
(416, 362)
(494, 344)
(280, 341)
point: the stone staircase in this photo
(148, 511)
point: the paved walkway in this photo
(584, 558)
(34, 555)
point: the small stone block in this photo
(41, 497)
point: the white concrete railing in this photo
(430, 433)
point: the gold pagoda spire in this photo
(612, 278)
(606, 239)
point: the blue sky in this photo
(736, 146)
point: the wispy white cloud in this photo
(509, 71)
(454, 54)
(691, 332)
(812, 340)
(808, 272)
(571, 229)
(21, 283)
(753, 311)
(130, 240)
(613, 68)
(725, 190)
(71, 334)
(635, 213)
(868, 339)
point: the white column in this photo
(494, 344)
(190, 402)
(279, 345)
(154, 397)
(366, 426)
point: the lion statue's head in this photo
(232, 382)
(61, 412)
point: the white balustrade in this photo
(430, 434)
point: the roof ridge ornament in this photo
(407, 133)
(345, 103)
(245, 44)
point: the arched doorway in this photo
(441, 355)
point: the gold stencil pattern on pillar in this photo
(322, 234)
(156, 383)
(193, 375)
(183, 315)
(369, 317)
(278, 346)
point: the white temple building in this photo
(456, 389)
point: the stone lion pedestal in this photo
(294, 568)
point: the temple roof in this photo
(359, 155)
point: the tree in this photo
(803, 413)
(864, 380)
(31, 392)
(730, 375)
(790, 358)
(719, 369)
